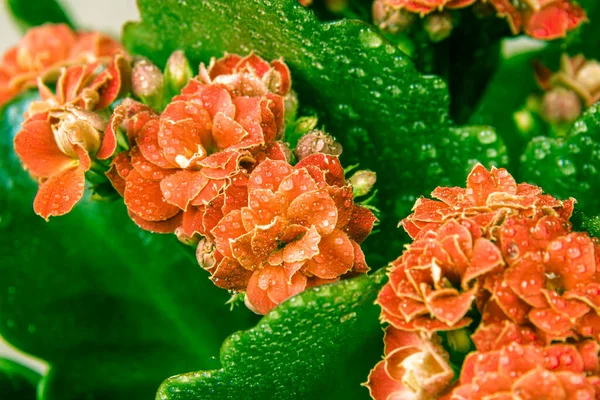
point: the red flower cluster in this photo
(509, 364)
(188, 166)
(300, 229)
(507, 251)
(62, 133)
(211, 165)
(43, 50)
(540, 19)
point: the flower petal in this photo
(167, 226)
(381, 386)
(59, 194)
(231, 275)
(147, 169)
(269, 174)
(302, 249)
(265, 205)
(314, 208)
(450, 307)
(185, 133)
(324, 167)
(226, 131)
(335, 258)
(360, 224)
(36, 147)
(144, 198)
(297, 183)
(182, 186)
(258, 299)
(229, 228)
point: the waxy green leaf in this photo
(37, 12)
(318, 345)
(114, 310)
(17, 381)
(568, 166)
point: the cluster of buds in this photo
(502, 253)
(576, 85)
(546, 20)
(44, 50)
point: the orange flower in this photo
(301, 228)
(189, 166)
(552, 283)
(44, 49)
(434, 283)
(540, 19)
(489, 198)
(530, 371)
(414, 367)
(423, 7)
(502, 247)
(56, 144)
(248, 76)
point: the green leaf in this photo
(568, 166)
(37, 12)
(113, 310)
(17, 381)
(367, 92)
(505, 95)
(318, 345)
(581, 222)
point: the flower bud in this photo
(336, 6)
(317, 141)
(390, 19)
(362, 182)
(147, 83)
(177, 72)
(589, 75)
(438, 26)
(561, 105)
(205, 254)
(306, 124)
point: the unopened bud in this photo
(438, 26)
(305, 3)
(177, 72)
(306, 124)
(317, 141)
(336, 6)
(390, 19)
(362, 182)
(290, 103)
(205, 254)
(561, 105)
(147, 83)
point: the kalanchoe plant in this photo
(275, 152)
